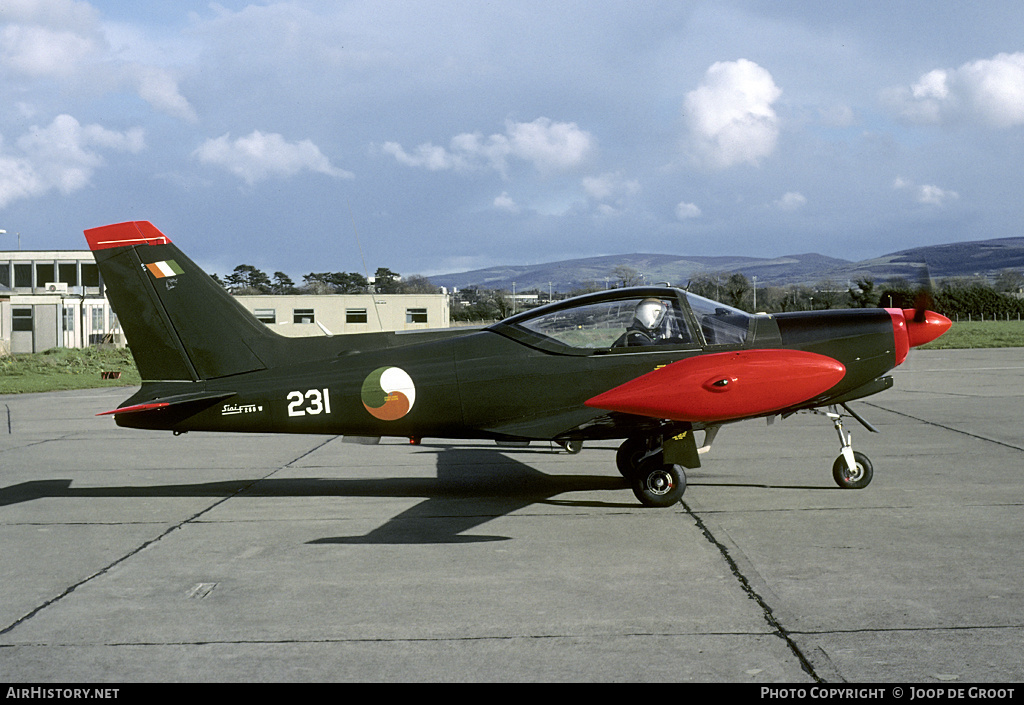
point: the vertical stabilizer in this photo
(179, 322)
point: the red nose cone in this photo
(921, 330)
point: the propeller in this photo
(923, 299)
(923, 324)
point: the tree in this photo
(735, 289)
(247, 279)
(417, 284)
(335, 283)
(863, 296)
(385, 281)
(282, 284)
(706, 285)
(626, 276)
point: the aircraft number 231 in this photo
(313, 402)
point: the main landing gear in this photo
(655, 482)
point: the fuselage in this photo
(523, 378)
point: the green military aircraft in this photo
(650, 365)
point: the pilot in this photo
(646, 326)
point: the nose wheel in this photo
(852, 478)
(852, 470)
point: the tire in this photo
(658, 484)
(859, 478)
(571, 447)
(629, 455)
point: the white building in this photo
(308, 314)
(51, 299)
(54, 298)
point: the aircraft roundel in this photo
(388, 393)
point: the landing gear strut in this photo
(852, 470)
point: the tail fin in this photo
(180, 323)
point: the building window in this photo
(90, 275)
(23, 276)
(21, 319)
(356, 315)
(303, 315)
(266, 315)
(97, 319)
(415, 315)
(45, 272)
(68, 274)
(69, 319)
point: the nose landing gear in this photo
(852, 470)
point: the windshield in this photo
(720, 324)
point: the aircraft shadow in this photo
(473, 486)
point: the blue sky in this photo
(450, 135)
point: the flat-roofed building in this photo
(53, 299)
(310, 314)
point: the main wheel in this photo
(630, 454)
(856, 479)
(658, 484)
(571, 447)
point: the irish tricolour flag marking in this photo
(167, 268)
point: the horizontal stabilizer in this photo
(173, 401)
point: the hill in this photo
(984, 257)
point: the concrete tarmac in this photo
(135, 556)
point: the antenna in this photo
(366, 270)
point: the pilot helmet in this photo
(650, 313)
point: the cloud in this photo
(687, 211)
(611, 186)
(791, 201)
(40, 52)
(65, 41)
(260, 156)
(926, 194)
(63, 156)
(159, 88)
(988, 91)
(730, 115)
(549, 146)
(504, 202)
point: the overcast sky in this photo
(447, 135)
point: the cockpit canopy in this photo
(629, 320)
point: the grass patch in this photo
(980, 334)
(66, 368)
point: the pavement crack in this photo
(146, 544)
(769, 615)
(944, 426)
